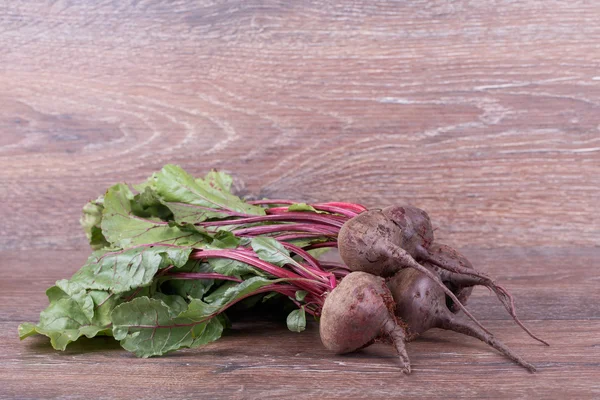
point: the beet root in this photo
(460, 284)
(415, 225)
(359, 311)
(421, 305)
(371, 242)
(382, 242)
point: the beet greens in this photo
(172, 257)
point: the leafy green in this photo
(73, 312)
(218, 180)
(224, 240)
(176, 304)
(270, 250)
(296, 320)
(234, 291)
(300, 295)
(122, 228)
(121, 270)
(147, 203)
(302, 207)
(195, 200)
(149, 327)
(91, 217)
(124, 290)
(227, 266)
(235, 268)
(186, 288)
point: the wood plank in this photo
(485, 115)
(265, 360)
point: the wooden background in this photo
(484, 113)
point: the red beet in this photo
(421, 305)
(358, 311)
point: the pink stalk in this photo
(320, 245)
(336, 210)
(271, 201)
(287, 217)
(314, 264)
(295, 236)
(358, 208)
(308, 228)
(229, 212)
(306, 284)
(319, 207)
(202, 275)
(304, 254)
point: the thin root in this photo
(465, 327)
(398, 337)
(481, 279)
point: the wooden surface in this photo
(486, 114)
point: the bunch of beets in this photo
(171, 256)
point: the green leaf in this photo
(232, 291)
(296, 320)
(270, 250)
(121, 270)
(72, 313)
(186, 288)
(123, 228)
(27, 329)
(176, 304)
(90, 220)
(302, 207)
(218, 180)
(235, 268)
(147, 203)
(219, 291)
(269, 296)
(224, 240)
(226, 266)
(319, 251)
(193, 201)
(301, 294)
(148, 327)
(308, 241)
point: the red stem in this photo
(287, 217)
(309, 228)
(294, 236)
(202, 275)
(243, 256)
(319, 245)
(357, 208)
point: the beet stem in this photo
(283, 217)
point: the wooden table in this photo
(486, 114)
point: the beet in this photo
(359, 311)
(372, 242)
(382, 242)
(421, 305)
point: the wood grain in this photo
(483, 113)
